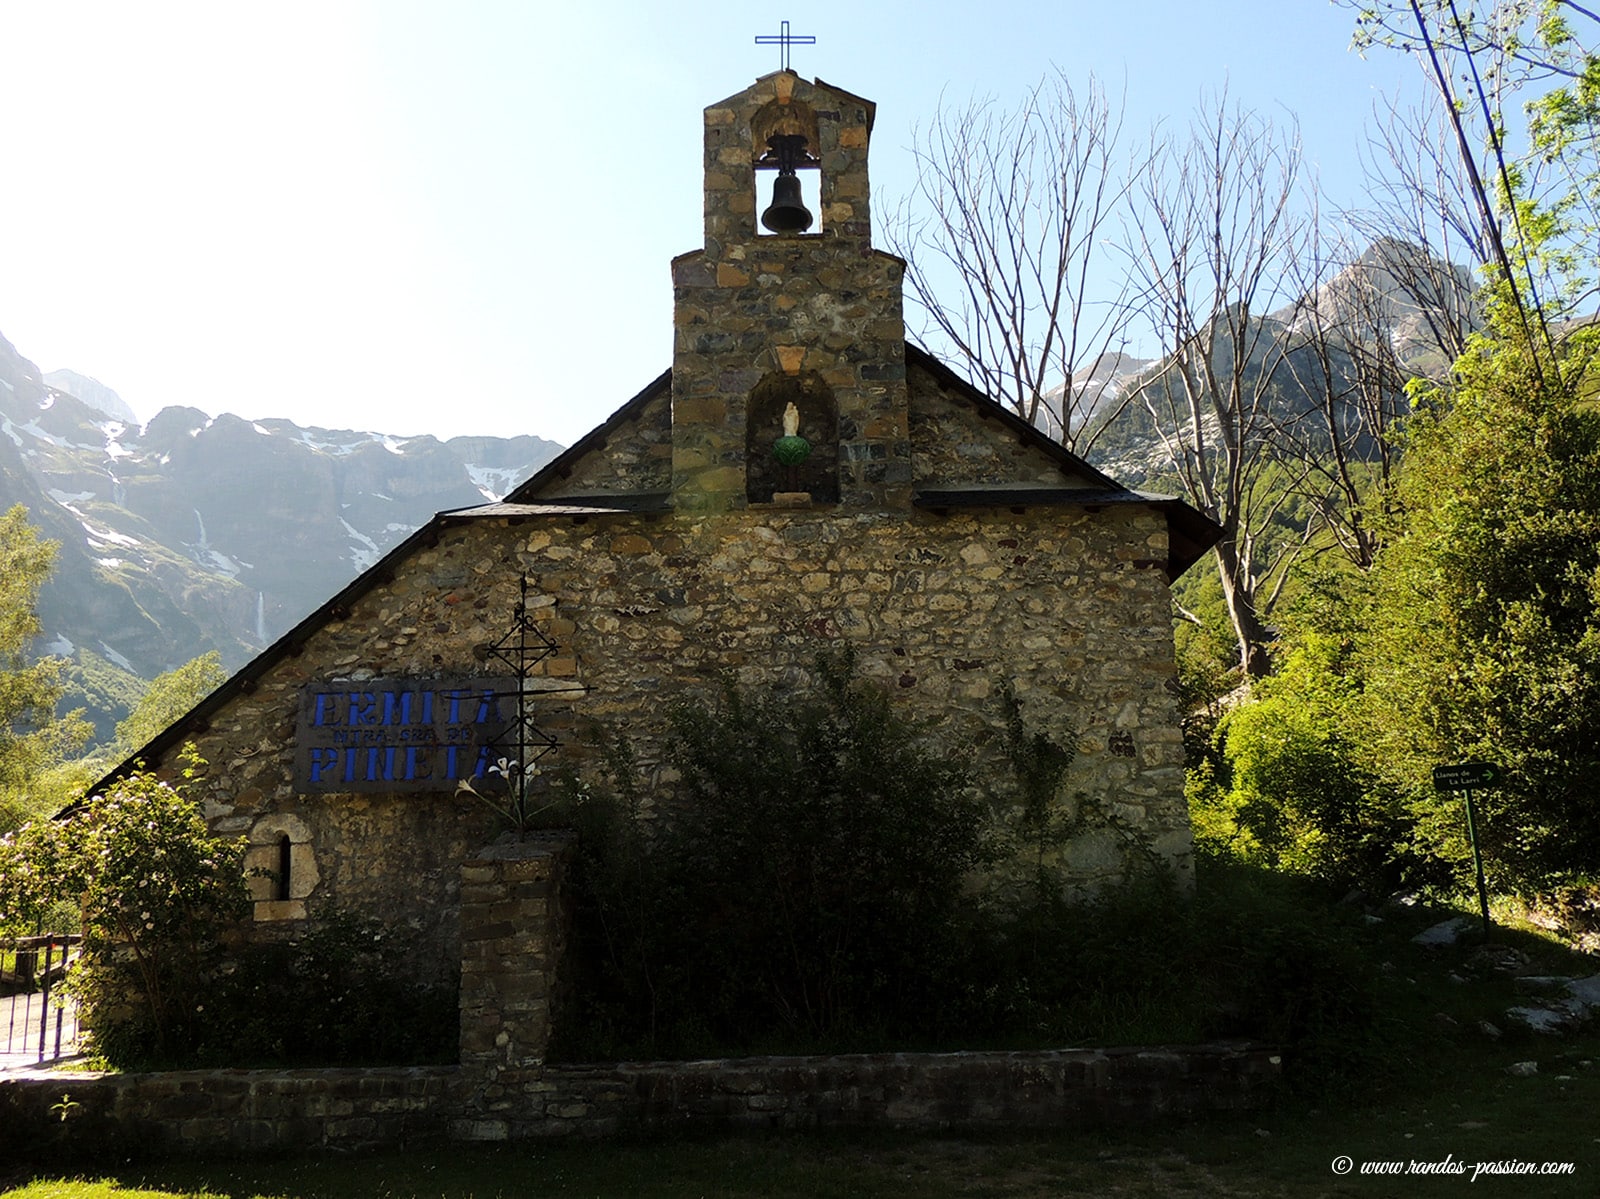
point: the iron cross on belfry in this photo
(785, 39)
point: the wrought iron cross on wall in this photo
(785, 40)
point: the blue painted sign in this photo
(403, 734)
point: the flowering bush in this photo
(155, 888)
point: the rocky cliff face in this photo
(195, 533)
(1394, 293)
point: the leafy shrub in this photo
(802, 884)
(161, 985)
(339, 995)
(820, 882)
(1249, 955)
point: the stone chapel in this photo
(800, 479)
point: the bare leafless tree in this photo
(1383, 297)
(1215, 233)
(1003, 238)
(1422, 212)
(1339, 438)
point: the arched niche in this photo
(819, 424)
(775, 117)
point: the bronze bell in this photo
(787, 213)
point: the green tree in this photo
(1486, 618)
(1475, 635)
(168, 697)
(1476, 632)
(32, 739)
(1291, 786)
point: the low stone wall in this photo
(513, 934)
(1070, 1088)
(94, 1116)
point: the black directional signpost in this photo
(1469, 777)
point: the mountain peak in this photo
(92, 393)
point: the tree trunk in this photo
(1255, 660)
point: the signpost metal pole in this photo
(1467, 777)
(1477, 865)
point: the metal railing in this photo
(38, 1023)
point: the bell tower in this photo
(785, 306)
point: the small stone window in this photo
(285, 867)
(280, 867)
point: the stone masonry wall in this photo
(124, 1116)
(513, 935)
(724, 349)
(242, 1111)
(1070, 1088)
(948, 452)
(1066, 605)
(637, 458)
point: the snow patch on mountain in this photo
(114, 656)
(114, 429)
(219, 562)
(493, 482)
(365, 553)
(190, 531)
(100, 538)
(33, 430)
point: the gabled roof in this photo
(989, 408)
(871, 106)
(197, 720)
(1191, 532)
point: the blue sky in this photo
(456, 218)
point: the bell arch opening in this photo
(786, 157)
